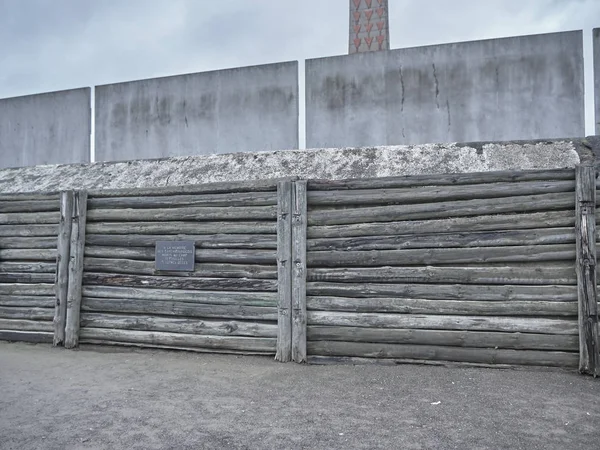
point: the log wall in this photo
(228, 304)
(29, 227)
(472, 268)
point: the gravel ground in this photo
(106, 398)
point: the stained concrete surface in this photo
(105, 398)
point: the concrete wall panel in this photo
(527, 87)
(50, 128)
(596, 34)
(236, 110)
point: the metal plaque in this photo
(175, 256)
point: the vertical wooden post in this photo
(284, 271)
(299, 229)
(585, 223)
(76, 269)
(61, 284)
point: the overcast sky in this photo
(48, 45)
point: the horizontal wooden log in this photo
(24, 300)
(177, 325)
(551, 219)
(174, 201)
(267, 299)
(189, 283)
(134, 267)
(27, 289)
(442, 322)
(21, 206)
(104, 343)
(486, 293)
(443, 210)
(231, 256)
(426, 194)
(543, 236)
(180, 340)
(26, 325)
(26, 278)
(208, 188)
(439, 353)
(28, 242)
(28, 267)
(29, 196)
(30, 218)
(7, 312)
(216, 241)
(28, 254)
(536, 274)
(201, 214)
(474, 339)
(190, 310)
(28, 230)
(451, 179)
(442, 307)
(176, 228)
(26, 336)
(437, 256)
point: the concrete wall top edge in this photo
(50, 93)
(284, 64)
(333, 163)
(570, 34)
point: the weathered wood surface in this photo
(27, 289)
(544, 236)
(28, 255)
(452, 307)
(27, 242)
(25, 300)
(586, 266)
(450, 179)
(26, 336)
(77, 247)
(299, 230)
(63, 258)
(474, 339)
(206, 270)
(445, 322)
(26, 325)
(284, 272)
(28, 230)
(27, 278)
(189, 283)
(216, 241)
(208, 188)
(27, 267)
(181, 340)
(440, 353)
(177, 325)
(176, 228)
(9, 312)
(529, 274)
(30, 218)
(414, 195)
(191, 310)
(443, 210)
(20, 206)
(142, 345)
(435, 256)
(490, 293)
(267, 299)
(30, 197)
(178, 214)
(551, 219)
(232, 256)
(174, 201)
